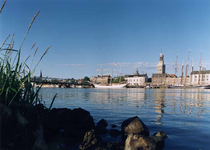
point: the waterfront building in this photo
(79, 81)
(204, 77)
(103, 79)
(136, 79)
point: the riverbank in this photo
(36, 127)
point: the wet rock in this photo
(160, 142)
(78, 122)
(139, 142)
(100, 130)
(114, 126)
(161, 134)
(135, 142)
(90, 140)
(133, 126)
(114, 132)
(116, 145)
(75, 123)
(102, 123)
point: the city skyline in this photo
(85, 34)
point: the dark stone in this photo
(114, 126)
(90, 140)
(114, 132)
(116, 145)
(160, 142)
(100, 130)
(78, 122)
(102, 123)
(133, 126)
(161, 134)
(75, 123)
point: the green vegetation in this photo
(22, 111)
(72, 80)
(86, 78)
(15, 85)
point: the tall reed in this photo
(15, 81)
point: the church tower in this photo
(40, 74)
(161, 66)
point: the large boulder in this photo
(136, 142)
(134, 126)
(139, 142)
(73, 124)
(78, 123)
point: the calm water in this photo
(183, 114)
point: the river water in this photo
(183, 114)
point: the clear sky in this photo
(86, 33)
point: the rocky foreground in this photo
(37, 128)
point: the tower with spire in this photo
(40, 74)
(161, 66)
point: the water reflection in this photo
(182, 113)
(186, 102)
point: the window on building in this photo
(195, 76)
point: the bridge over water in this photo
(63, 84)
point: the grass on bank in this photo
(15, 76)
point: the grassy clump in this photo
(21, 111)
(15, 85)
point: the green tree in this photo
(72, 80)
(86, 78)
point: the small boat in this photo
(175, 86)
(113, 86)
(206, 87)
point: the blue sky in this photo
(86, 33)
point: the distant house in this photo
(79, 81)
(136, 79)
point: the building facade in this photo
(204, 77)
(136, 79)
(104, 79)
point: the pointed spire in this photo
(137, 71)
(40, 73)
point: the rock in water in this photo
(114, 126)
(102, 123)
(114, 132)
(161, 134)
(133, 126)
(90, 140)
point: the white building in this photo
(136, 79)
(204, 77)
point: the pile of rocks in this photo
(135, 136)
(66, 129)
